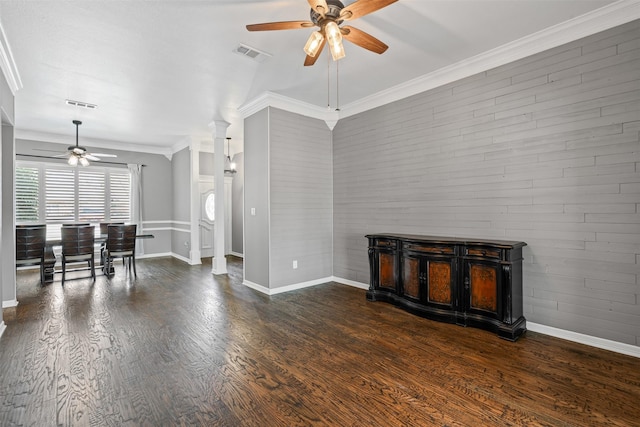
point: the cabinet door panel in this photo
(483, 287)
(411, 277)
(484, 284)
(387, 270)
(440, 275)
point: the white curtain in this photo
(136, 202)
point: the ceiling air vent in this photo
(251, 52)
(81, 104)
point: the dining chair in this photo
(103, 232)
(30, 246)
(78, 245)
(104, 226)
(121, 243)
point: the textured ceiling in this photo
(161, 71)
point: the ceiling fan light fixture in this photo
(313, 44)
(73, 160)
(84, 161)
(334, 38)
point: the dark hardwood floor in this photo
(179, 346)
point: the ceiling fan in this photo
(328, 15)
(78, 154)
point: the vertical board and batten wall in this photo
(256, 196)
(288, 181)
(545, 150)
(301, 198)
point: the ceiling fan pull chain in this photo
(328, 82)
(337, 86)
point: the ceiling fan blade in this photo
(91, 157)
(283, 25)
(319, 6)
(104, 155)
(362, 7)
(363, 39)
(310, 60)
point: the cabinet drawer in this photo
(429, 248)
(385, 243)
(479, 251)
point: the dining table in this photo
(50, 257)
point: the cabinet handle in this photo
(466, 283)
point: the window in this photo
(55, 194)
(27, 200)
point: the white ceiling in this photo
(161, 71)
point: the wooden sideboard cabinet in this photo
(469, 282)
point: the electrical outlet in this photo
(295, 264)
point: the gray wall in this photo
(256, 196)
(301, 202)
(288, 181)
(7, 248)
(206, 161)
(157, 209)
(237, 208)
(181, 184)
(545, 150)
(8, 253)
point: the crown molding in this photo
(271, 99)
(610, 16)
(183, 143)
(92, 142)
(8, 65)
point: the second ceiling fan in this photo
(328, 15)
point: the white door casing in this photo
(207, 221)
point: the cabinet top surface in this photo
(447, 240)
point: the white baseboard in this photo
(255, 286)
(618, 347)
(163, 254)
(353, 283)
(287, 288)
(3, 326)
(239, 255)
(181, 258)
(154, 255)
(9, 304)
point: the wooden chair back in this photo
(105, 225)
(78, 240)
(30, 244)
(121, 239)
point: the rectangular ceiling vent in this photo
(81, 104)
(251, 52)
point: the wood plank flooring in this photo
(179, 346)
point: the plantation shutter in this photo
(55, 194)
(120, 197)
(27, 194)
(91, 191)
(60, 195)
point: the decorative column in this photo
(219, 263)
